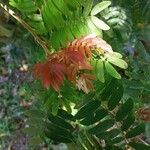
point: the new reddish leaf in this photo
(71, 62)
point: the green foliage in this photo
(70, 19)
(124, 110)
(101, 116)
(111, 70)
(100, 6)
(36, 126)
(100, 70)
(27, 7)
(129, 34)
(104, 118)
(103, 65)
(139, 146)
(15, 89)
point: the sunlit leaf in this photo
(99, 23)
(112, 71)
(100, 6)
(118, 62)
(100, 70)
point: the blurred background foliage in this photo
(18, 52)
(129, 34)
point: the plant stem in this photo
(145, 143)
(40, 41)
(118, 126)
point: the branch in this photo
(40, 41)
(145, 143)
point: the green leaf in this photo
(63, 37)
(57, 130)
(55, 106)
(100, 70)
(136, 131)
(88, 7)
(35, 141)
(61, 5)
(92, 27)
(26, 6)
(73, 5)
(115, 96)
(100, 113)
(102, 126)
(35, 122)
(117, 55)
(139, 146)
(109, 89)
(65, 91)
(58, 20)
(38, 27)
(95, 142)
(81, 2)
(117, 140)
(56, 137)
(124, 110)
(86, 99)
(35, 113)
(99, 23)
(84, 139)
(32, 131)
(55, 41)
(47, 18)
(99, 7)
(50, 98)
(94, 65)
(114, 147)
(90, 107)
(109, 134)
(111, 70)
(52, 17)
(82, 26)
(94, 117)
(60, 122)
(69, 35)
(75, 31)
(128, 122)
(64, 114)
(118, 62)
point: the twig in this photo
(42, 43)
(143, 141)
(118, 126)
